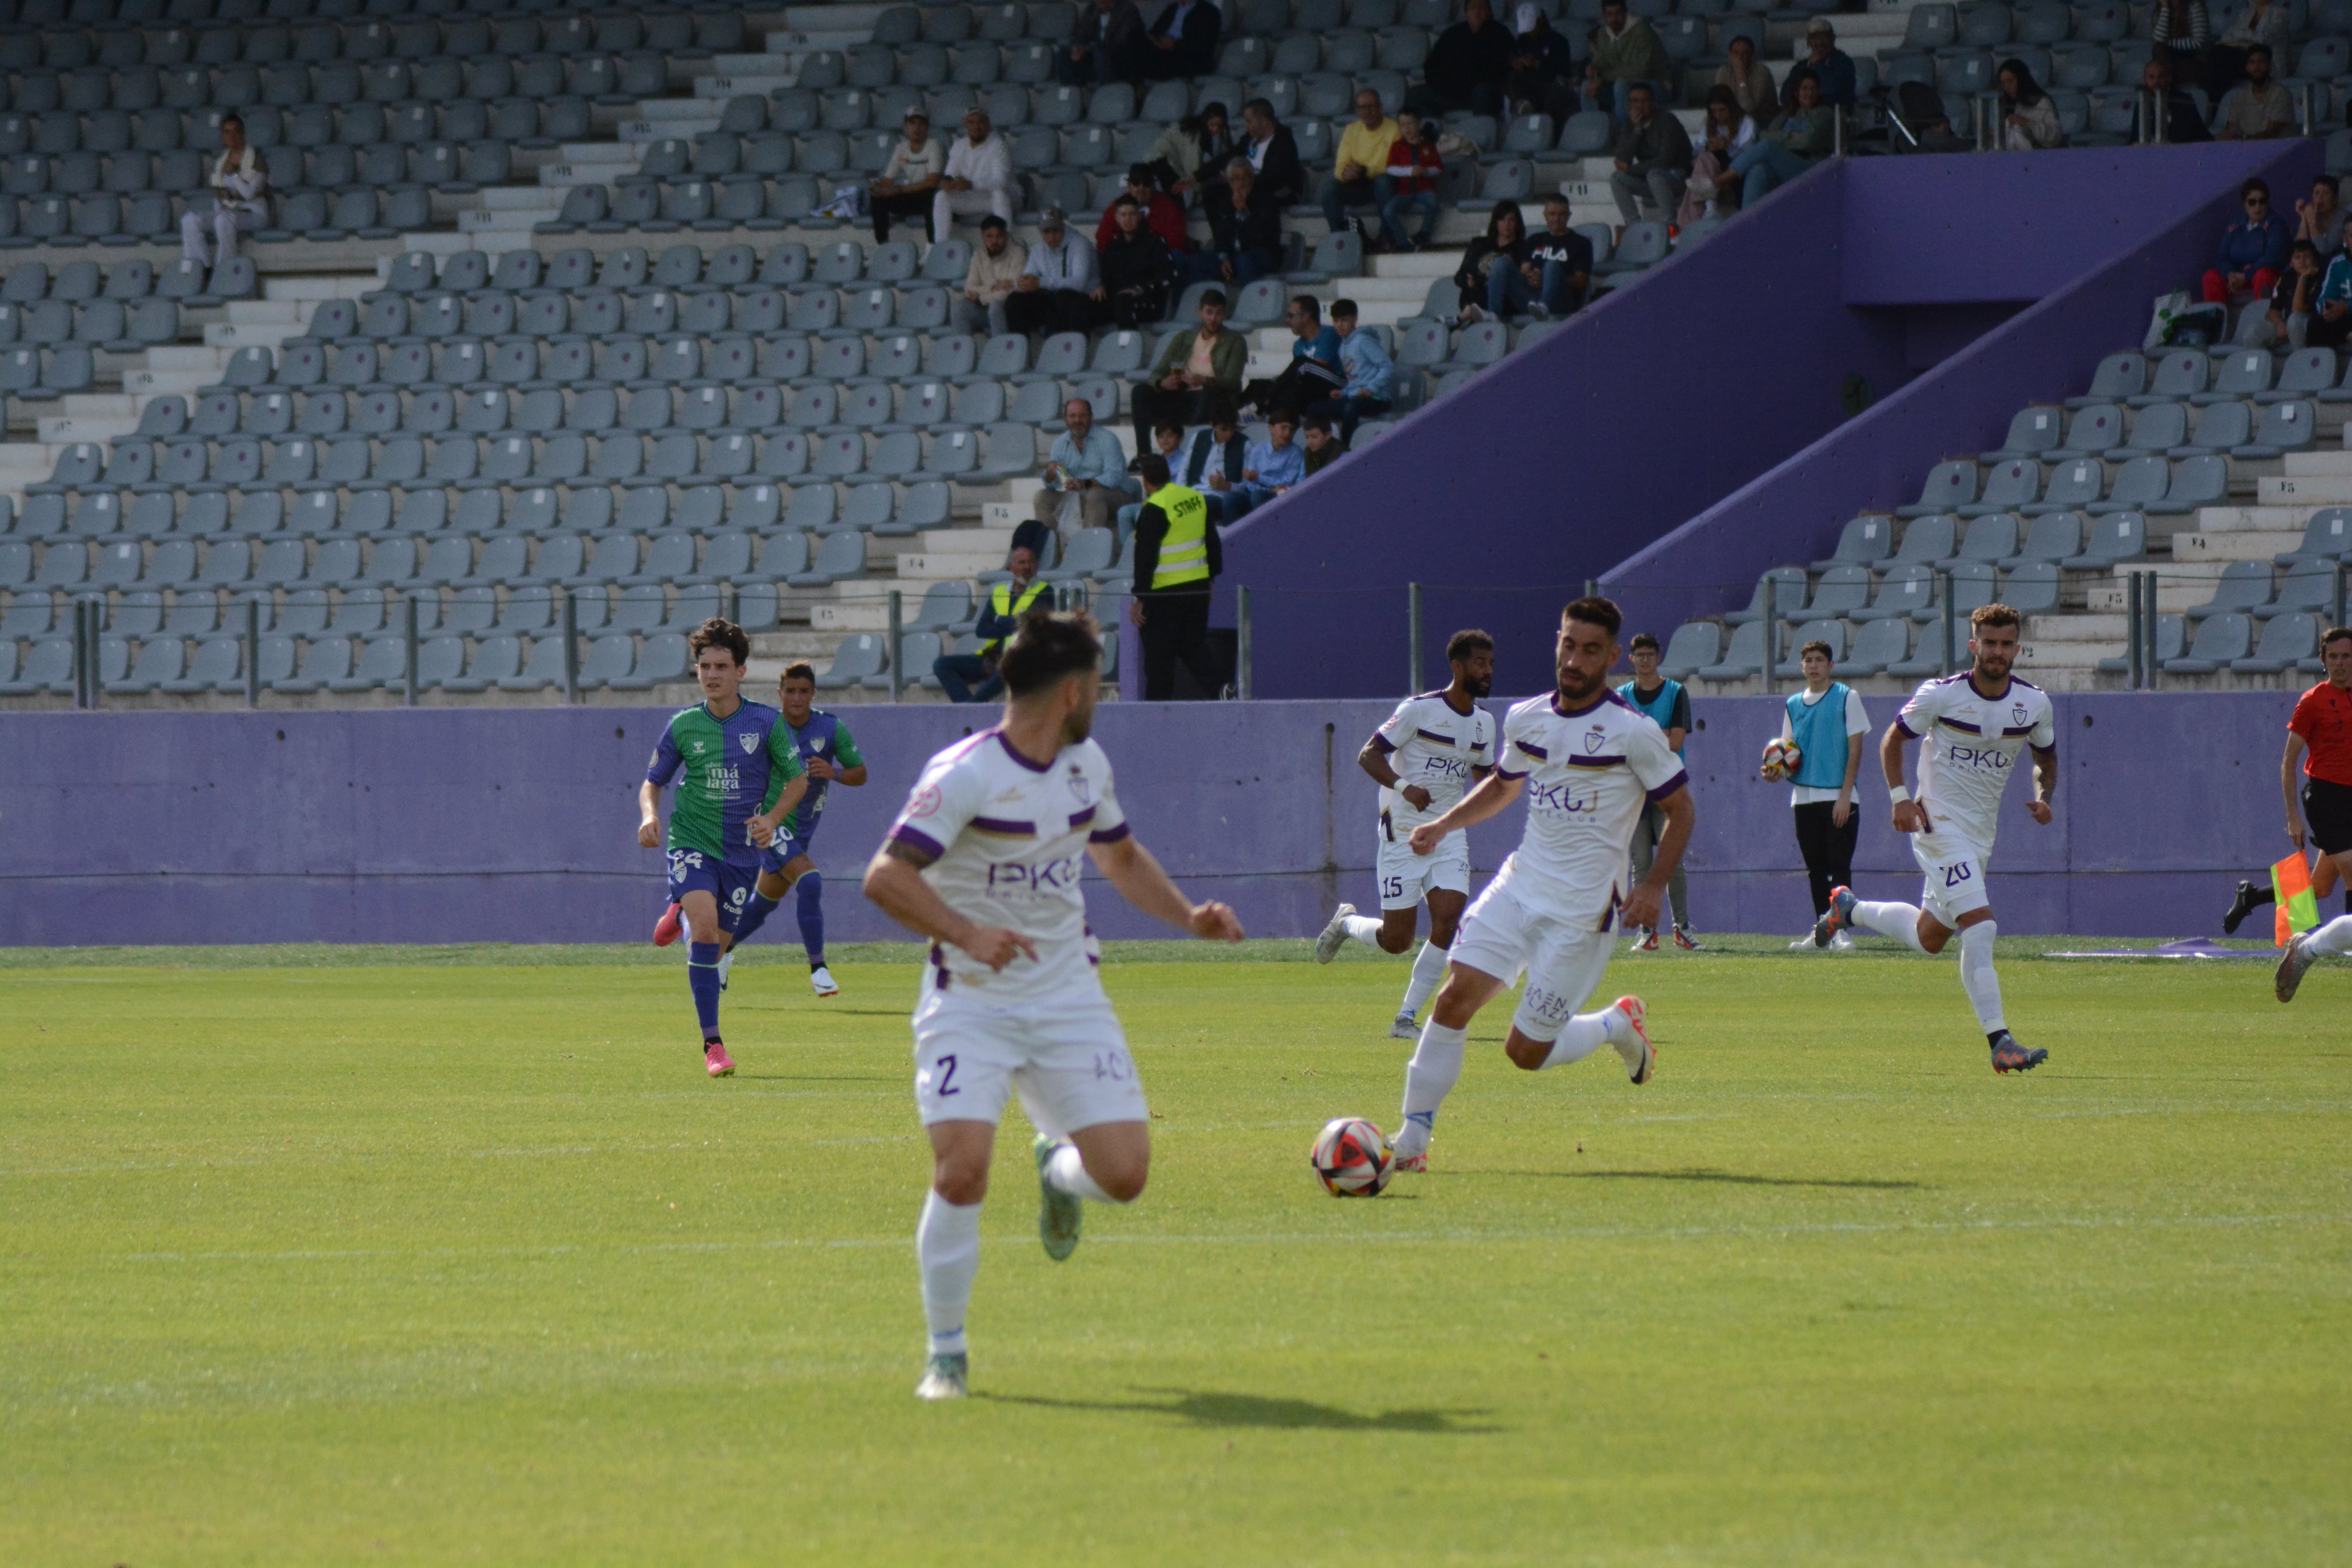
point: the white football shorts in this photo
(1406, 878)
(1563, 955)
(1067, 1059)
(1955, 872)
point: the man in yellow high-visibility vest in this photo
(971, 676)
(1176, 558)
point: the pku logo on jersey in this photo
(1979, 757)
(1562, 797)
(1447, 767)
(1053, 877)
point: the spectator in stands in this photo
(1197, 371)
(2183, 121)
(1272, 153)
(1558, 269)
(2295, 301)
(2259, 108)
(1213, 462)
(239, 183)
(1275, 464)
(1360, 171)
(2253, 252)
(2029, 121)
(910, 179)
(1314, 372)
(979, 176)
(1163, 215)
(1651, 157)
(1137, 269)
(1503, 247)
(995, 268)
(1178, 557)
(1800, 138)
(1832, 67)
(1371, 375)
(2266, 24)
(1244, 226)
(1319, 449)
(2332, 323)
(2180, 33)
(971, 676)
(1748, 80)
(1084, 464)
(2317, 219)
(1060, 288)
(1106, 45)
(1415, 167)
(1190, 155)
(1625, 49)
(1543, 74)
(1183, 41)
(1467, 66)
(1729, 131)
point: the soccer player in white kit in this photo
(1431, 749)
(1973, 725)
(1587, 761)
(985, 860)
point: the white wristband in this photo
(1897, 794)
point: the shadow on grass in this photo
(1733, 1177)
(1208, 1408)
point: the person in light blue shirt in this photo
(1060, 288)
(1273, 464)
(1371, 375)
(1087, 461)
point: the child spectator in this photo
(1322, 450)
(1412, 170)
(1273, 465)
(1371, 375)
(2296, 299)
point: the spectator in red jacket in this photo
(1413, 170)
(1163, 215)
(2253, 250)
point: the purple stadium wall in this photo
(460, 824)
(1684, 395)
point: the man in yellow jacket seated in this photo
(971, 676)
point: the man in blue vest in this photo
(1827, 723)
(971, 676)
(1668, 707)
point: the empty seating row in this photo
(619, 79)
(2253, 588)
(2062, 538)
(1904, 591)
(679, 269)
(29, 282)
(109, 324)
(2152, 484)
(151, 217)
(70, 51)
(1886, 645)
(537, 123)
(2203, 376)
(445, 165)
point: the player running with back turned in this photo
(985, 860)
(1973, 725)
(726, 754)
(1431, 749)
(831, 756)
(1587, 761)
(2322, 725)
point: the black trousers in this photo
(1176, 627)
(1052, 311)
(1828, 849)
(913, 204)
(1155, 404)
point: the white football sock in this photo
(1429, 1077)
(1428, 974)
(947, 1244)
(1366, 929)
(1066, 1171)
(1977, 976)
(1581, 1036)
(1900, 921)
(2336, 936)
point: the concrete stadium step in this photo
(2245, 544)
(679, 125)
(2305, 490)
(61, 430)
(320, 285)
(2214, 519)
(755, 75)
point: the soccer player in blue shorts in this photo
(739, 778)
(831, 757)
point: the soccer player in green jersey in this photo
(739, 777)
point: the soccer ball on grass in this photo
(1781, 759)
(1352, 1157)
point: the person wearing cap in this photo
(1625, 49)
(1831, 66)
(1360, 171)
(988, 282)
(1106, 45)
(978, 177)
(1163, 215)
(1467, 64)
(1060, 288)
(1543, 66)
(909, 180)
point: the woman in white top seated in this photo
(1726, 133)
(240, 187)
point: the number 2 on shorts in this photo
(947, 1076)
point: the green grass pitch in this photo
(415, 1255)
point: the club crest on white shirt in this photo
(1081, 790)
(1594, 739)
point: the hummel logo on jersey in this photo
(698, 745)
(750, 744)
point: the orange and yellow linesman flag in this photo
(2298, 909)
